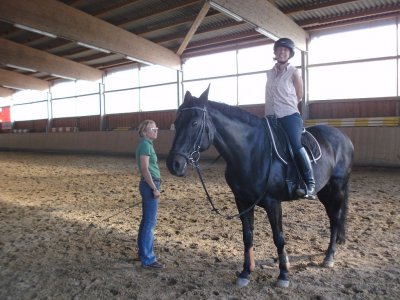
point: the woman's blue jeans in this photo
(293, 125)
(148, 223)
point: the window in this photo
(122, 101)
(122, 80)
(32, 111)
(355, 80)
(63, 90)
(255, 59)
(86, 87)
(345, 75)
(221, 89)
(161, 97)
(252, 88)
(151, 75)
(76, 106)
(213, 65)
(87, 105)
(64, 108)
(355, 43)
(232, 83)
(28, 96)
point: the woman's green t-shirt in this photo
(145, 147)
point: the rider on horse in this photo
(284, 90)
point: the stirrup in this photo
(303, 193)
(311, 195)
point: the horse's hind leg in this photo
(249, 262)
(334, 196)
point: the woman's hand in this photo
(156, 193)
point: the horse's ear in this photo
(204, 96)
(188, 96)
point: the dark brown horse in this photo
(256, 175)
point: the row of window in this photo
(341, 65)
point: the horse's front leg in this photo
(249, 262)
(274, 211)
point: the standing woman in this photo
(284, 90)
(149, 188)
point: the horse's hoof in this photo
(242, 282)
(328, 263)
(282, 283)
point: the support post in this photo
(102, 106)
(49, 112)
(304, 75)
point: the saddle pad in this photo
(311, 144)
(281, 145)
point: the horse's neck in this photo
(234, 139)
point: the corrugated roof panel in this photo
(168, 21)
(303, 10)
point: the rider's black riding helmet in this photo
(287, 43)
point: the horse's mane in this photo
(235, 112)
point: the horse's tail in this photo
(342, 220)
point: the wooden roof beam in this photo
(4, 92)
(268, 18)
(200, 17)
(12, 53)
(69, 23)
(17, 81)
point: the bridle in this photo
(193, 159)
(194, 154)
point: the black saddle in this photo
(283, 151)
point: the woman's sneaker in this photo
(154, 265)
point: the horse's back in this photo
(337, 151)
(332, 137)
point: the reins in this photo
(196, 166)
(194, 157)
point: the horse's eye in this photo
(194, 124)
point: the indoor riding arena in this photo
(70, 206)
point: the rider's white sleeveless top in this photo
(280, 94)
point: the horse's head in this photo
(194, 133)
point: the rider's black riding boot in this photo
(306, 170)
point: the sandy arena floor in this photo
(57, 243)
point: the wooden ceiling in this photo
(44, 40)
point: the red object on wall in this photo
(5, 118)
(5, 114)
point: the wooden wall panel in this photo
(89, 123)
(256, 109)
(65, 122)
(39, 125)
(164, 119)
(128, 120)
(32, 126)
(23, 125)
(354, 109)
(317, 110)
(367, 142)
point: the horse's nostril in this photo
(176, 165)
